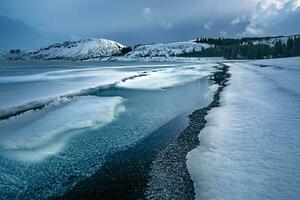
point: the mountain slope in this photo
(83, 49)
(270, 41)
(166, 49)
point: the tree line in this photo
(246, 48)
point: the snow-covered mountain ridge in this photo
(270, 41)
(84, 49)
(103, 49)
(88, 49)
(166, 49)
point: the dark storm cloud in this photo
(274, 17)
(136, 21)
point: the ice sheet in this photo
(35, 135)
(167, 78)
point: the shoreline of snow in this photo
(250, 144)
(169, 176)
(162, 59)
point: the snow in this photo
(166, 78)
(38, 88)
(165, 59)
(250, 147)
(287, 66)
(272, 40)
(103, 49)
(83, 49)
(166, 49)
(284, 63)
(21, 90)
(35, 135)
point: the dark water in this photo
(125, 174)
(129, 173)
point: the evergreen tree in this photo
(289, 47)
(278, 49)
(296, 47)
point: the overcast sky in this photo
(32, 23)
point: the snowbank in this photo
(250, 146)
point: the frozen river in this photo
(61, 120)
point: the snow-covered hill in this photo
(270, 41)
(83, 49)
(166, 49)
(86, 49)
